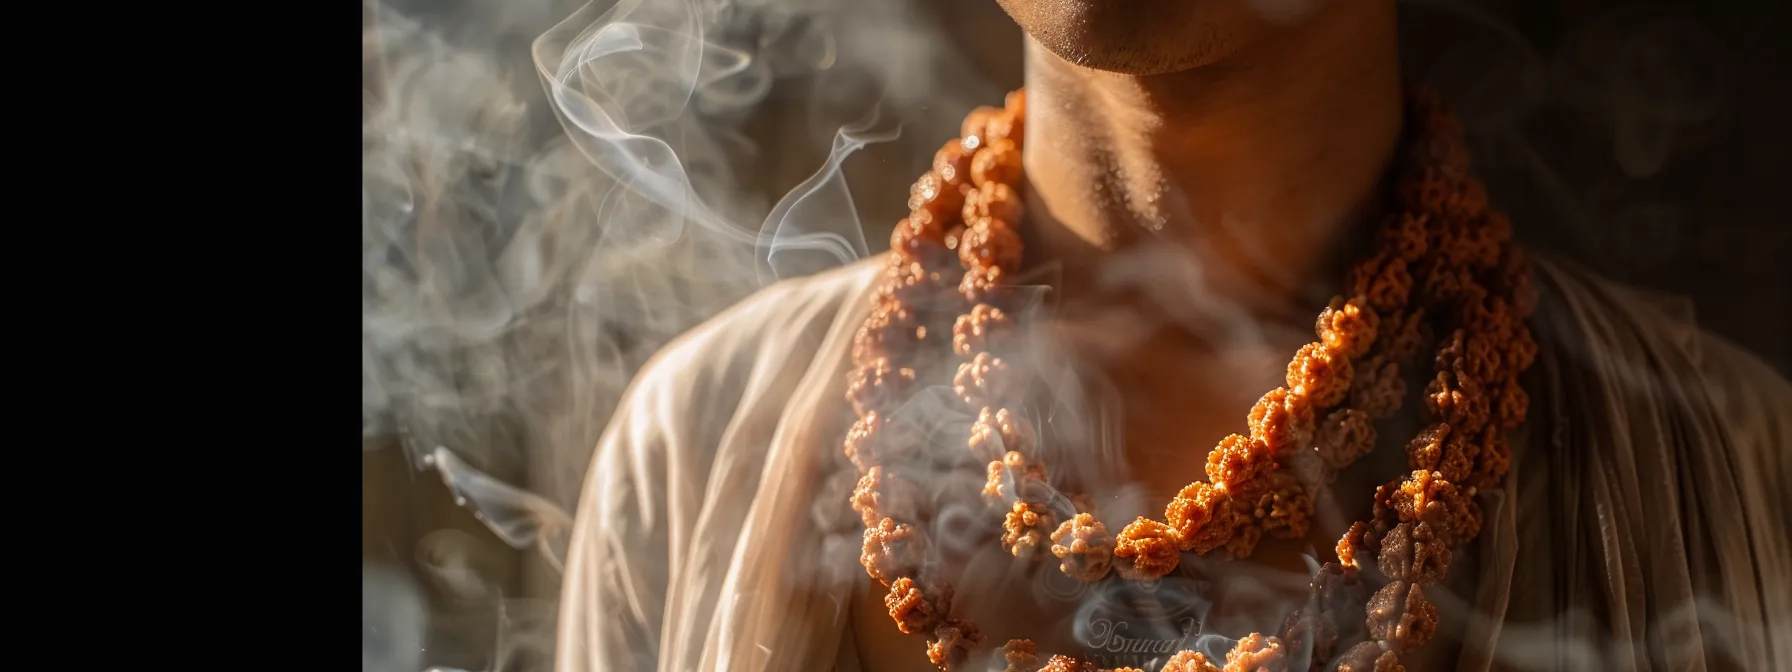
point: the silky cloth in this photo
(1643, 524)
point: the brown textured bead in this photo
(1405, 236)
(1320, 374)
(952, 163)
(972, 129)
(1014, 478)
(912, 283)
(1237, 460)
(1146, 549)
(986, 380)
(1469, 204)
(1189, 661)
(1466, 204)
(1485, 236)
(1514, 280)
(1458, 460)
(1410, 552)
(956, 233)
(1061, 663)
(1446, 153)
(878, 385)
(952, 640)
(890, 330)
(1496, 227)
(1384, 280)
(1494, 459)
(1403, 335)
(928, 223)
(986, 327)
(1200, 513)
(909, 608)
(1286, 509)
(983, 283)
(1445, 283)
(1468, 524)
(1377, 388)
(1369, 657)
(1346, 435)
(1026, 530)
(881, 495)
(1492, 319)
(1383, 516)
(1348, 326)
(1219, 531)
(1426, 497)
(1354, 545)
(890, 317)
(1020, 655)
(1016, 101)
(1436, 448)
(995, 200)
(1470, 354)
(892, 550)
(1458, 400)
(1306, 467)
(1427, 190)
(990, 242)
(1399, 615)
(917, 239)
(1520, 352)
(996, 432)
(1305, 631)
(1256, 652)
(1334, 590)
(997, 161)
(1246, 531)
(1005, 126)
(1084, 548)
(873, 440)
(931, 193)
(1281, 420)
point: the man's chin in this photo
(1126, 56)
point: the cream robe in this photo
(1655, 467)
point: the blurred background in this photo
(515, 275)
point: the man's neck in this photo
(1221, 190)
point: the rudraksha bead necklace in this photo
(1444, 264)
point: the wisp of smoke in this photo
(551, 193)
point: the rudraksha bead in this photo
(1146, 549)
(1201, 515)
(1283, 421)
(1083, 547)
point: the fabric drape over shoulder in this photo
(1652, 531)
(1644, 524)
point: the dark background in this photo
(1647, 141)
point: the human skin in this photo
(1198, 176)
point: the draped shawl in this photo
(1644, 523)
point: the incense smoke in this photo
(552, 192)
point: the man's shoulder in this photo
(1606, 310)
(1654, 341)
(781, 324)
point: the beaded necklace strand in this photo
(1444, 271)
